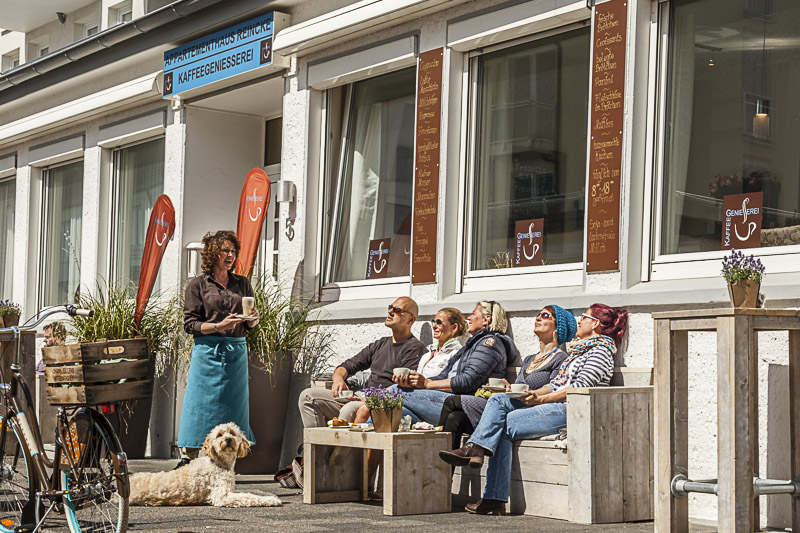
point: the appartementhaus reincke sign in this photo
(221, 55)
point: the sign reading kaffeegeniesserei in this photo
(741, 220)
(426, 170)
(220, 55)
(605, 150)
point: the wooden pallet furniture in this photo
(737, 411)
(415, 481)
(602, 472)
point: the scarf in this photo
(579, 347)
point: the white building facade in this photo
(88, 141)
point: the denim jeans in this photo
(505, 420)
(423, 404)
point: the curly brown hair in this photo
(212, 244)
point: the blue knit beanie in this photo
(566, 326)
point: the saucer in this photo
(245, 317)
(501, 388)
(516, 394)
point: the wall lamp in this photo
(285, 192)
(62, 18)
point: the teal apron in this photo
(217, 389)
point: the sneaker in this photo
(183, 462)
(468, 455)
(496, 507)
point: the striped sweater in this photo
(590, 364)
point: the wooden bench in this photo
(602, 472)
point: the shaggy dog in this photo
(209, 479)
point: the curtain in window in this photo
(62, 242)
(7, 207)
(375, 191)
(140, 181)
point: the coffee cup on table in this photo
(496, 382)
(401, 371)
(519, 387)
(248, 303)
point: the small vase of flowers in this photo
(744, 275)
(385, 408)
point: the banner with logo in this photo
(159, 231)
(741, 220)
(528, 242)
(378, 258)
(253, 205)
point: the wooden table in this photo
(415, 480)
(737, 411)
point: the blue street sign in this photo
(240, 48)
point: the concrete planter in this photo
(269, 395)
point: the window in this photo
(7, 209)
(529, 161)
(732, 123)
(61, 243)
(10, 60)
(375, 178)
(90, 29)
(43, 50)
(124, 13)
(139, 181)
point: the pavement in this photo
(297, 517)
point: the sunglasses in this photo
(396, 310)
(545, 315)
(590, 317)
(438, 322)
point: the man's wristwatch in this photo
(216, 329)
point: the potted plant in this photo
(385, 408)
(744, 275)
(140, 355)
(287, 337)
(9, 314)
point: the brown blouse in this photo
(208, 301)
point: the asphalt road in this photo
(296, 517)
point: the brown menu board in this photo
(426, 171)
(741, 220)
(605, 150)
(528, 242)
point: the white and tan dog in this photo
(207, 480)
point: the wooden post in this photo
(734, 422)
(794, 417)
(671, 446)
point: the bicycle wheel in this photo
(94, 500)
(17, 487)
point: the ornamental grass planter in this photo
(744, 294)
(386, 420)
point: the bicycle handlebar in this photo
(70, 309)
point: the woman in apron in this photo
(217, 387)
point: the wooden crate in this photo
(84, 374)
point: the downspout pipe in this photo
(105, 39)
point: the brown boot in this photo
(469, 454)
(487, 507)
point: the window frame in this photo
(12, 178)
(114, 199)
(44, 219)
(481, 280)
(657, 266)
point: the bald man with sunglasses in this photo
(401, 349)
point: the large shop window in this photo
(139, 182)
(375, 182)
(530, 151)
(61, 245)
(732, 126)
(7, 207)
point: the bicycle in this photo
(87, 478)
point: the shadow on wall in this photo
(779, 507)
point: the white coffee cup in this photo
(401, 371)
(248, 303)
(346, 393)
(519, 387)
(496, 382)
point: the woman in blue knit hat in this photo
(553, 326)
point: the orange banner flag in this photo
(253, 206)
(159, 231)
